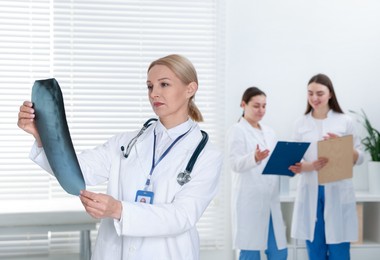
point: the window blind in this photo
(99, 52)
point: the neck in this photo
(173, 122)
(320, 113)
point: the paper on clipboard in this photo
(284, 155)
(339, 152)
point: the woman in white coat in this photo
(324, 215)
(166, 228)
(256, 210)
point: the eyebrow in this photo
(318, 91)
(161, 79)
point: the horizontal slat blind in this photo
(99, 52)
(24, 52)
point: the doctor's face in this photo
(168, 95)
(255, 109)
(318, 96)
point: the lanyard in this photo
(154, 164)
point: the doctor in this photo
(256, 210)
(164, 227)
(324, 215)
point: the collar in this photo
(247, 124)
(329, 114)
(176, 131)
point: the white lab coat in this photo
(254, 196)
(341, 224)
(167, 229)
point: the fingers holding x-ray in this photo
(100, 205)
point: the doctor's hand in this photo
(355, 152)
(320, 163)
(100, 205)
(260, 155)
(296, 168)
(26, 120)
(309, 166)
(330, 136)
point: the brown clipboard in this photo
(339, 152)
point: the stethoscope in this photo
(183, 177)
(134, 139)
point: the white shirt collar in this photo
(176, 131)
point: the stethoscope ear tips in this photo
(124, 153)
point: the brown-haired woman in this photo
(256, 210)
(324, 215)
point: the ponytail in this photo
(194, 113)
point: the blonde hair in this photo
(185, 71)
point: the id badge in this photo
(144, 196)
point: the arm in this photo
(358, 157)
(95, 164)
(186, 209)
(166, 219)
(321, 162)
(309, 166)
(305, 166)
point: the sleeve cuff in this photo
(118, 224)
(253, 160)
(35, 151)
(38, 156)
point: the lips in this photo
(157, 104)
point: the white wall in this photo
(279, 45)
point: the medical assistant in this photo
(254, 196)
(162, 230)
(341, 223)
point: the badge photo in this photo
(144, 196)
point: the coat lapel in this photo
(181, 152)
(144, 150)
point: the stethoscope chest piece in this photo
(183, 178)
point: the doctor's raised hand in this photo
(26, 120)
(261, 154)
(160, 178)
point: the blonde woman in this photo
(148, 213)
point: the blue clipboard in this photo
(284, 155)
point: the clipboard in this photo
(339, 152)
(284, 155)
